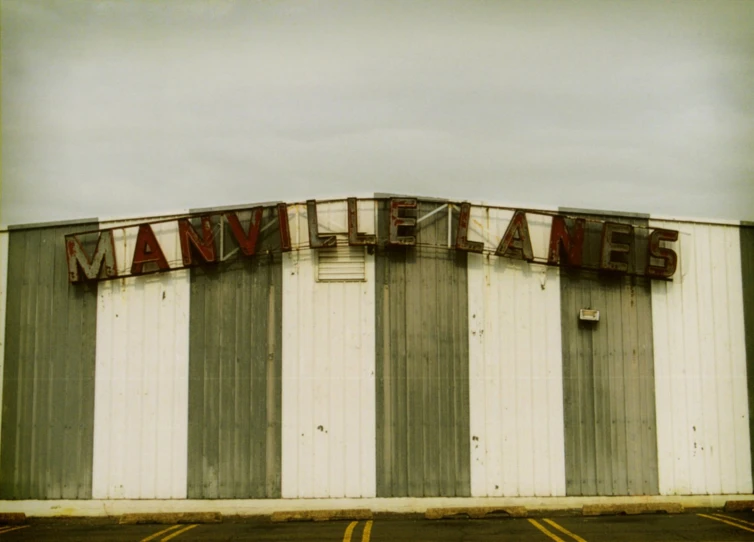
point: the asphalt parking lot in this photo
(711, 525)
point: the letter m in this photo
(79, 262)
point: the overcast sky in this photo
(113, 108)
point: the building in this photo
(373, 349)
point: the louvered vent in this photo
(341, 264)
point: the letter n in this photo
(205, 246)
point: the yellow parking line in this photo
(367, 531)
(9, 529)
(155, 535)
(173, 535)
(349, 531)
(725, 521)
(734, 519)
(564, 530)
(548, 533)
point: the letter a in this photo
(147, 250)
(516, 242)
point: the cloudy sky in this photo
(113, 108)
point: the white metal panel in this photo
(515, 357)
(328, 370)
(700, 366)
(141, 394)
(4, 238)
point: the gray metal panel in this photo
(422, 365)
(48, 400)
(608, 377)
(92, 222)
(241, 207)
(747, 273)
(610, 215)
(235, 352)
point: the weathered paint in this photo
(48, 398)
(315, 239)
(283, 227)
(148, 255)
(82, 266)
(235, 386)
(142, 376)
(618, 251)
(516, 241)
(3, 302)
(196, 249)
(246, 237)
(516, 389)
(566, 243)
(400, 217)
(355, 236)
(462, 231)
(657, 252)
(747, 275)
(608, 371)
(328, 368)
(700, 322)
(266, 507)
(700, 363)
(422, 362)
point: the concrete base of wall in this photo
(108, 508)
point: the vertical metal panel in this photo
(422, 364)
(608, 378)
(700, 359)
(142, 376)
(747, 274)
(48, 400)
(515, 357)
(235, 351)
(328, 369)
(3, 303)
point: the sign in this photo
(197, 236)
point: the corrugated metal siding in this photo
(142, 377)
(515, 366)
(3, 301)
(328, 370)
(747, 274)
(48, 399)
(700, 359)
(235, 386)
(422, 365)
(608, 378)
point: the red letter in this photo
(104, 253)
(397, 221)
(355, 238)
(516, 242)
(205, 247)
(247, 243)
(315, 241)
(668, 256)
(147, 250)
(560, 238)
(609, 247)
(285, 230)
(462, 235)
